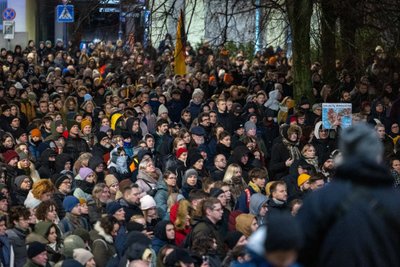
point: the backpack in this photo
(114, 260)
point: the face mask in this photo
(121, 161)
(122, 164)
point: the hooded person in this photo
(57, 130)
(190, 182)
(241, 155)
(63, 162)
(164, 233)
(47, 163)
(96, 163)
(103, 146)
(259, 207)
(118, 165)
(273, 101)
(357, 210)
(103, 237)
(20, 189)
(133, 128)
(179, 216)
(286, 151)
(246, 224)
(48, 233)
(323, 144)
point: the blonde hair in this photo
(230, 172)
(306, 147)
(184, 209)
(78, 163)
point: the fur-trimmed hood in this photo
(178, 213)
(100, 231)
(285, 130)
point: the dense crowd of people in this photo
(110, 159)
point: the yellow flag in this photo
(179, 55)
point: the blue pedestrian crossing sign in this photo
(65, 13)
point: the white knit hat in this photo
(197, 91)
(82, 255)
(147, 202)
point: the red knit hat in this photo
(179, 152)
(9, 155)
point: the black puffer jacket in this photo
(74, 146)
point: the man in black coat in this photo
(354, 221)
(75, 145)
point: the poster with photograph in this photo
(8, 29)
(336, 114)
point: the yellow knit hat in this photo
(85, 122)
(302, 179)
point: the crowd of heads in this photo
(109, 158)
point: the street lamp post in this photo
(120, 32)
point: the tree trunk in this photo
(299, 14)
(349, 22)
(328, 40)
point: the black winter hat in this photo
(35, 248)
(193, 157)
(215, 192)
(100, 135)
(59, 179)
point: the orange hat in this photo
(211, 79)
(85, 122)
(302, 179)
(36, 133)
(82, 201)
(228, 78)
(272, 60)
